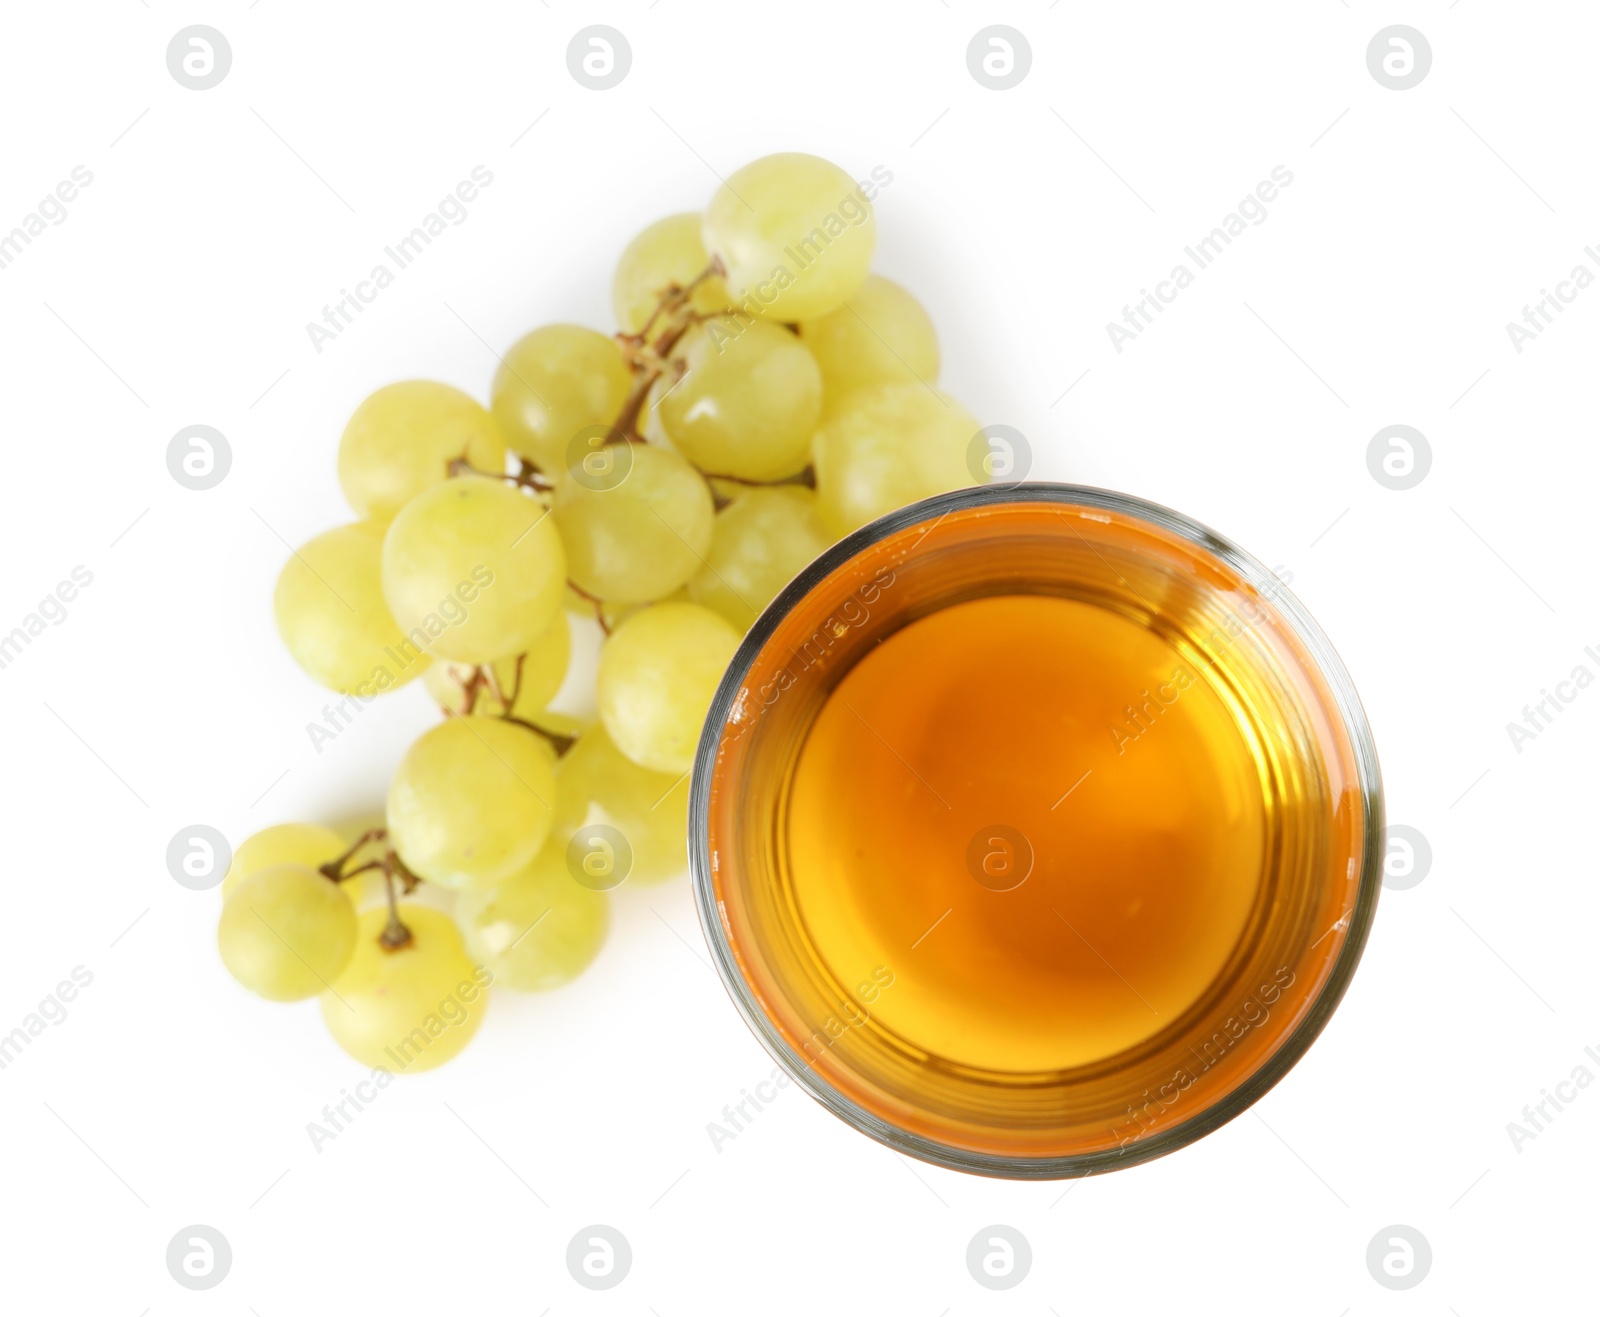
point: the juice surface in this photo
(1041, 817)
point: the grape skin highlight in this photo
(748, 403)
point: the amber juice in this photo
(1036, 837)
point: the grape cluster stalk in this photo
(668, 480)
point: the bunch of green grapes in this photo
(764, 394)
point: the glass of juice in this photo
(1036, 830)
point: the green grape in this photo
(795, 234)
(286, 932)
(597, 784)
(882, 447)
(880, 336)
(749, 402)
(544, 667)
(761, 541)
(668, 252)
(402, 439)
(471, 801)
(412, 1008)
(658, 672)
(553, 383)
(538, 929)
(473, 570)
(331, 613)
(308, 844)
(638, 539)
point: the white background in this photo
(1377, 292)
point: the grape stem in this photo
(806, 479)
(596, 600)
(334, 870)
(469, 692)
(395, 934)
(493, 682)
(484, 676)
(648, 360)
(675, 297)
(528, 476)
(559, 743)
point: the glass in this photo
(1036, 830)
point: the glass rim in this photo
(1294, 1044)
